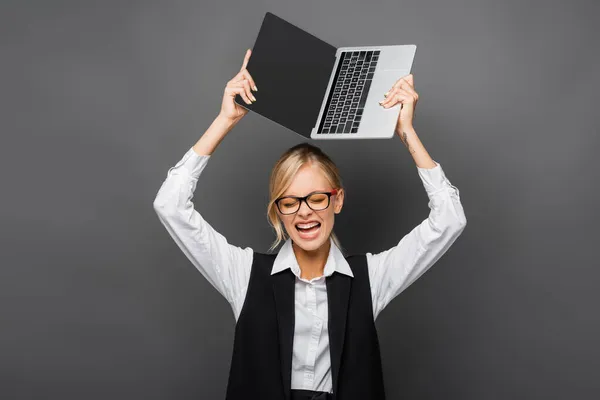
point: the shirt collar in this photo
(286, 258)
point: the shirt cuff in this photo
(433, 179)
(193, 162)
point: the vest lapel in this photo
(338, 291)
(284, 292)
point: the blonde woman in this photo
(305, 316)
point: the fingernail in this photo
(253, 98)
(381, 102)
(255, 88)
(386, 93)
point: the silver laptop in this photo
(320, 91)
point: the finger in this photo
(237, 78)
(412, 95)
(245, 84)
(246, 58)
(398, 95)
(397, 98)
(400, 83)
(391, 96)
(405, 82)
(232, 91)
(404, 91)
(249, 77)
(406, 86)
(388, 96)
(242, 92)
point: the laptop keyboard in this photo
(346, 101)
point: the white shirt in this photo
(227, 267)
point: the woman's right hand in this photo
(240, 84)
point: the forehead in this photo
(309, 178)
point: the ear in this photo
(339, 201)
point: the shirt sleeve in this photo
(225, 266)
(393, 270)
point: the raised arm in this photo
(225, 266)
(395, 269)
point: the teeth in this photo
(307, 226)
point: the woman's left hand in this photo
(403, 91)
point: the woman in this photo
(305, 316)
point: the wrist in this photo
(408, 129)
(227, 121)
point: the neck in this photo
(312, 263)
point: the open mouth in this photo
(309, 233)
(309, 230)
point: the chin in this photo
(310, 244)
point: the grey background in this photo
(99, 99)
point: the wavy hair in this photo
(281, 178)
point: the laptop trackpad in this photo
(398, 58)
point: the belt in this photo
(301, 394)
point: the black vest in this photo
(261, 364)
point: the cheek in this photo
(329, 219)
(289, 227)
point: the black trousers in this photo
(301, 394)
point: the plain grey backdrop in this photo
(99, 99)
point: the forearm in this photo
(415, 148)
(213, 136)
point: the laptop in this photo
(322, 92)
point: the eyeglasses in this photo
(317, 201)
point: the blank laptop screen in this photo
(291, 69)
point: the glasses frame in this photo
(305, 199)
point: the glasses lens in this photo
(288, 205)
(316, 201)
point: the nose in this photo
(304, 208)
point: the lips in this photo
(315, 226)
(306, 223)
(310, 233)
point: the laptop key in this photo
(363, 97)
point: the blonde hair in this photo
(281, 178)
